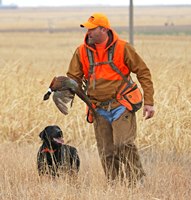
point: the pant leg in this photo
(124, 134)
(106, 149)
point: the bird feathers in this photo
(62, 99)
(64, 89)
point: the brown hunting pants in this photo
(118, 153)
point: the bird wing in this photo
(64, 89)
(62, 100)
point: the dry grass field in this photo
(29, 61)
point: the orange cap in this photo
(97, 19)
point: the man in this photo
(105, 62)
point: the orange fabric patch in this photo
(48, 150)
(101, 48)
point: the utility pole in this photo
(131, 31)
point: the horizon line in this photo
(90, 5)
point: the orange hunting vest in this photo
(114, 68)
(106, 72)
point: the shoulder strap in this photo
(110, 62)
(113, 66)
(91, 61)
(91, 68)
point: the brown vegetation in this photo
(28, 63)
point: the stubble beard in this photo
(91, 41)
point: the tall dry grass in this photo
(168, 178)
(28, 63)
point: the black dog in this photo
(54, 157)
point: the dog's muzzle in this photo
(59, 140)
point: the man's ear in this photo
(41, 135)
(105, 30)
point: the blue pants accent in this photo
(113, 114)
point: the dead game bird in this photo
(64, 89)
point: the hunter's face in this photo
(94, 35)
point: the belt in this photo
(108, 105)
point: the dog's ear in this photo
(41, 135)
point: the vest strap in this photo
(110, 62)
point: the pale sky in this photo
(93, 2)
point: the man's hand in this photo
(148, 111)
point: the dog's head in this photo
(52, 136)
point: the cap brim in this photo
(88, 25)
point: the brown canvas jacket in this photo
(106, 89)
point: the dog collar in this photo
(48, 150)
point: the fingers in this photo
(149, 114)
(148, 111)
